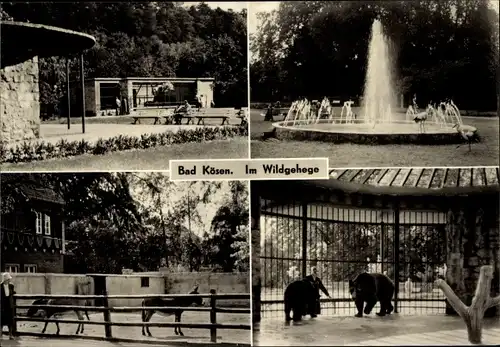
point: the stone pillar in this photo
(455, 229)
(472, 241)
(19, 102)
(256, 280)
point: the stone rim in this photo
(285, 132)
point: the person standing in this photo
(7, 302)
(318, 285)
(118, 105)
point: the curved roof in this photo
(21, 41)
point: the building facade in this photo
(32, 227)
(139, 92)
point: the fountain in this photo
(379, 121)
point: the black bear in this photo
(300, 296)
(370, 288)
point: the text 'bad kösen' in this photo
(263, 169)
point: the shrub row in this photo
(34, 151)
(263, 105)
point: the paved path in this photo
(370, 330)
(450, 338)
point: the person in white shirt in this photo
(7, 302)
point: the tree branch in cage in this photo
(473, 315)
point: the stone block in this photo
(19, 97)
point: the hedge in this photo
(33, 151)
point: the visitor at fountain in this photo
(118, 105)
(7, 303)
(318, 285)
(269, 113)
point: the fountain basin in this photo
(359, 132)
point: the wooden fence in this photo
(108, 323)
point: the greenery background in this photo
(442, 49)
(145, 39)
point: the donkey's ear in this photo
(195, 289)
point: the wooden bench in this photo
(223, 114)
(201, 118)
(178, 117)
(137, 118)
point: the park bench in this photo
(243, 116)
(137, 118)
(162, 113)
(178, 117)
(211, 114)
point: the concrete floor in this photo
(370, 330)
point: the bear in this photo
(370, 288)
(300, 297)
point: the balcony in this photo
(19, 240)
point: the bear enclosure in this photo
(415, 225)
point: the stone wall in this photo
(19, 102)
(157, 283)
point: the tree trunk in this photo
(473, 315)
(474, 323)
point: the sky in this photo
(206, 211)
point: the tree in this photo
(436, 46)
(150, 39)
(229, 244)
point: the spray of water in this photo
(379, 96)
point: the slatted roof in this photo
(29, 187)
(427, 178)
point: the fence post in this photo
(107, 316)
(213, 316)
(14, 315)
(396, 256)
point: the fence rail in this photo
(213, 326)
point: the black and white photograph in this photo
(375, 83)
(377, 257)
(123, 259)
(122, 86)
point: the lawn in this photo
(485, 153)
(149, 159)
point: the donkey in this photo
(170, 302)
(54, 311)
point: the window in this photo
(47, 225)
(42, 224)
(39, 222)
(12, 268)
(30, 268)
(144, 282)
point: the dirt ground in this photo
(159, 334)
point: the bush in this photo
(28, 152)
(263, 105)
